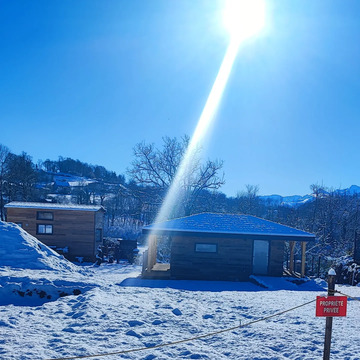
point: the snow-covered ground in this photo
(115, 311)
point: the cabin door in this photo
(260, 257)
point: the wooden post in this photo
(292, 247)
(145, 262)
(152, 251)
(303, 258)
(329, 319)
(312, 265)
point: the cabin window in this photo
(44, 229)
(205, 248)
(45, 215)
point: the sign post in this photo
(329, 320)
(330, 306)
(328, 326)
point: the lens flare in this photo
(244, 19)
(204, 123)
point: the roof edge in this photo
(288, 237)
(53, 206)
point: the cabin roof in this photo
(228, 224)
(52, 206)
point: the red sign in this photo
(331, 305)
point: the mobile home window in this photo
(44, 229)
(45, 215)
(206, 248)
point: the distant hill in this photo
(59, 180)
(297, 200)
(352, 190)
(290, 201)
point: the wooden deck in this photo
(158, 271)
(162, 272)
(288, 273)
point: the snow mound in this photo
(288, 283)
(19, 249)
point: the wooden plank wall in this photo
(72, 228)
(233, 260)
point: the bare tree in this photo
(157, 168)
(4, 153)
(20, 177)
(248, 200)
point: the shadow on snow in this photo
(255, 283)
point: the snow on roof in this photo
(19, 249)
(228, 224)
(52, 206)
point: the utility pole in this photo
(329, 319)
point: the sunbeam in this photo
(247, 18)
(204, 123)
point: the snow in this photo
(295, 201)
(115, 310)
(19, 249)
(50, 206)
(289, 201)
(229, 224)
(352, 190)
(68, 180)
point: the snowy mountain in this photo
(291, 201)
(298, 200)
(352, 190)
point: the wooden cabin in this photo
(73, 230)
(222, 247)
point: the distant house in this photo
(75, 230)
(222, 247)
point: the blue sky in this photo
(90, 79)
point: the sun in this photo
(244, 18)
